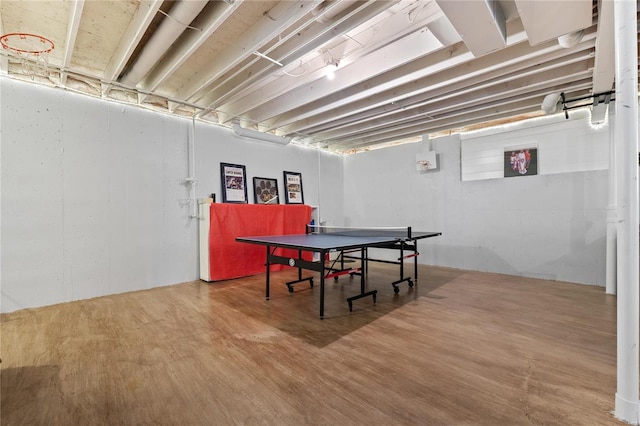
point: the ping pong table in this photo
(344, 241)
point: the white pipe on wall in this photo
(612, 217)
(626, 41)
(191, 180)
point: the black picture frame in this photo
(520, 162)
(265, 191)
(293, 192)
(233, 178)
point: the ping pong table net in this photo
(393, 232)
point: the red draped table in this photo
(225, 258)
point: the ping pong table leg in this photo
(322, 255)
(409, 281)
(401, 259)
(363, 293)
(363, 268)
(268, 268)
(415, 260)
(300, 279)
(366, 263)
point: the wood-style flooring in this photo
(460, 348)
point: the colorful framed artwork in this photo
(265, 191)
(520, 162)
(293, 188)
(234, 183)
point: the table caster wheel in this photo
(310, 283)
(396, 290)
(410, 283)
(290, 289)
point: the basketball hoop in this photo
(32, 50)
(422, 165)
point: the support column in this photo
(626, 135)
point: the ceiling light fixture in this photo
(262, 136)
(550, 103)
(331, 69)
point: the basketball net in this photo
(32, 51)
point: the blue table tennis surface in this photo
(324, 242)
(332, 241)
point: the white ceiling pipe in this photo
(325, 14)
(178, 19)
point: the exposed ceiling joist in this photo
(382, 61)
(487, 114)
(481, 24)
(391, 83)
(514, 59)
(208, 23)
(404, 68)
(604, 69)
(72, 34)
(473, 97)
(294, 51)
(274, 22)
(172, 27)
(545, 20)
(522, 109)
(130, 39)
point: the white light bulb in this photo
(331, 73)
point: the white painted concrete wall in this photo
(94, 201)
(563, 146)
(321, 172)
(93, 194)
(546, 226)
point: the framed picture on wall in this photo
(234, 183)
(520, 161)
(293, 188)
(265, 191)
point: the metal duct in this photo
(254, 134)
(571, 39)
(178, 19)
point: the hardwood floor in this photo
(460, 348)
